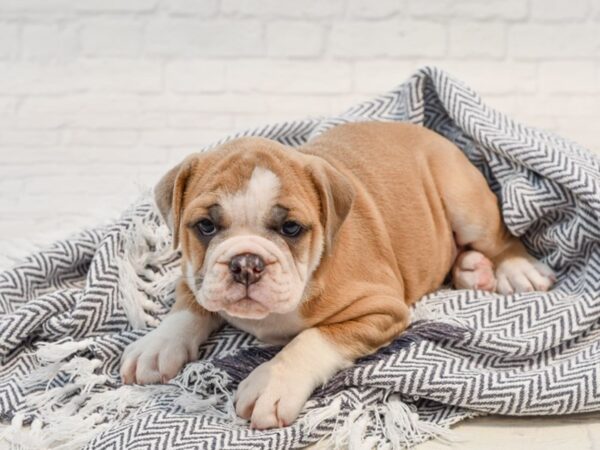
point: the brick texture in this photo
(99, 97)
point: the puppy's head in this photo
(253, 219)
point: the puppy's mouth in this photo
(235, 300)
(247, 308)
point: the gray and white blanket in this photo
(69, 311)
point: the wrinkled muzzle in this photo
(250, 277)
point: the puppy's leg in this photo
(159, 355)
(477, 224)
(275, 392)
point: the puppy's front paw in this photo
(159, 355)
(272, 395)
(155, 358)
(523, 274)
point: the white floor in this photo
(575, 432)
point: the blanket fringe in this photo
(315, 417)
(70, 416)
(146, 248)
(394, 422)
(49, 352)
(402, 426)
(67, 417)
(203, 389)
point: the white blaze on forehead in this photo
(250, 205)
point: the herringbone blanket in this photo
(69, 311)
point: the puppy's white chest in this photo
(273, 329)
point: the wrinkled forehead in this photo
(252, 190)
(254, 200)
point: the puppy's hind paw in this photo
(523, 274)
(472, 270)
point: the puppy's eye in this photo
(206, 227)
(290, 228)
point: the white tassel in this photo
(313, 418)
(74, 424)
(205, 374)
(203, 388)
(43, 374)
(192, 403)
(131, 297)
(80, 367)
(356, 438)
(145, 244)
(402, 426)
(349, 433)
(394, 422)
(445, 435)
(49, 352)
(400, 423)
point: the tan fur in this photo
(387, 206)
(401, 192)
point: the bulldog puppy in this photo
(322, 248)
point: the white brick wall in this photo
(100, 97)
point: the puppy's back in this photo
(392, 163)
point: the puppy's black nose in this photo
(246, 268)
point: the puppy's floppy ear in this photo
(169, 194)
(336, 194)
